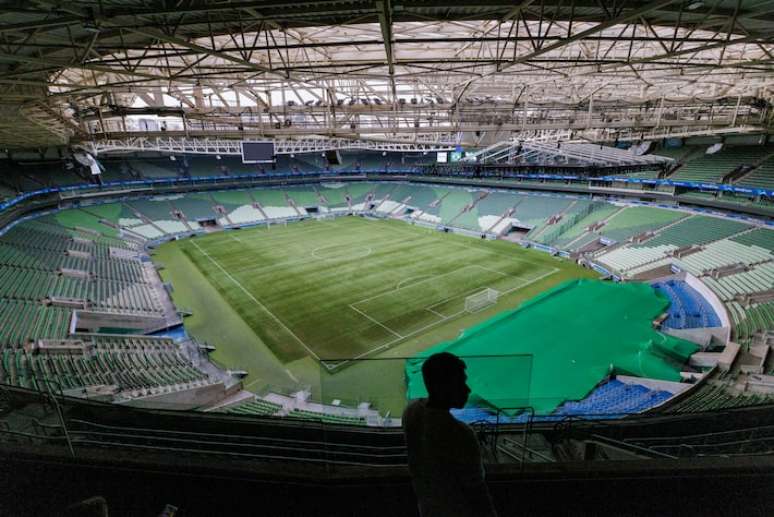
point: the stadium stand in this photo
(697, 230)
(761, 176)
(195, 207)
(722, 253)
(327, 418)
(714, 167)
(692, 230)
(255, 407)
(571, 237)
(712, 396)
(534, 209)
(458, 209)
(687, 309)
(632, 221)
(611, 399)
(33, 254)
(158, 168)
(756, 279)
(751, 321)
(131, 366)
(760, 238)
(334, 195)
(614, 399)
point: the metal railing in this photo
(58, 422)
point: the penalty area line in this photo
(254, 299)
(390, 344)
(385, 327)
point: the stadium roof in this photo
(401, 71)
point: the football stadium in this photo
(232, 233)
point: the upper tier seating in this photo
(713, 167)
(762, 176)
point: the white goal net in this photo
(477, 301)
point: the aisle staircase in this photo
(257, 205)
(145, 219)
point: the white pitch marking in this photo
(254, 299)
(407, 280)
(252, 383)
(438, 236)
(494, 271)
(446, 318)
(385, 327)
(427, 279)
(368, 251)
(428, 309)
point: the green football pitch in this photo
(279, 298)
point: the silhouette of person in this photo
(444, 456)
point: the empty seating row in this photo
(687, 309)
(748, 322)
(761, 238)
(614, 398)
(759, 278)
(116, 269)
(627, 259)
(21, 321)
(724, 252)
(257, 407)
(632, 221)
(697, 229)
(760, 177)
(109, 295)
(713, 167)
(712, 396)
(130, 370)
(327, 418)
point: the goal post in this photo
(480, 300)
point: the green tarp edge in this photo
(560, 344)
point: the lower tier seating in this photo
(688, 309)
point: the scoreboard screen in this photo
(257, 152)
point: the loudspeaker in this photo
(333, 157)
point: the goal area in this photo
(480, 300)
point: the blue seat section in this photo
(688, 309)
(614, 399)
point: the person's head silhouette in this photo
(446, 381)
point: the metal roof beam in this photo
(624, 17)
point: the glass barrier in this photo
(329, 424)
(375, 391)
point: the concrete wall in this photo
(711, 297)
(181, 400)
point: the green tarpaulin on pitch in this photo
(561, 344)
